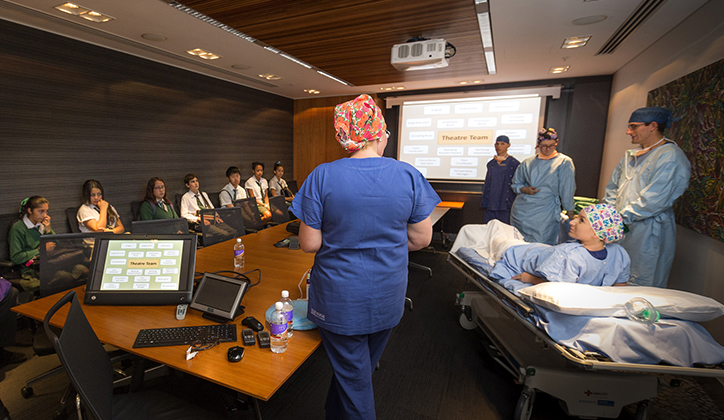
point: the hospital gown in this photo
(643, 189)
(537, 216)
(569, 262)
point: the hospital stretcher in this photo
(588, 384)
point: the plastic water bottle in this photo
(278, 331)
(288, 312)
(641, 310)
(238, 254)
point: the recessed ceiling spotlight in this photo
(240, 67)
(392, 88)
(269, 76)
(556, 70)
(153, 37)
(312, 91)
(588, 20)
(84, 12)
(471, 82)
(203, 54)
(71, 9)
(94, 16)
(576, 41)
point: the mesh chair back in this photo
(161, 226)
(83, 357)
(136, 209)
(65, 261)
(279, 211)
(223, 224)
(292, 185)
(214, 198)
(71, 213)
(6, 221)
(250, 213)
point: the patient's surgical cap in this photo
(357, 122)
(606, 222)
(547, 134)
(662, 116)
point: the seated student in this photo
(8, 325)
(278, 186)
(24, 239)
(593, 259)
(233, 190)
(256, 186)
(193, 202)
(96, 215)
(156, 205)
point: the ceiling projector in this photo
(419, 55)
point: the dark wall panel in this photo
(71, 111)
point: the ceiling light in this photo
(576, 41)
(333, 78)
(272, 49)
(84, 12)
(270, 76)
(588, 20)
(312, 91)
(210, 21)
(486, 34)
(392, 88)
(203, 54)
(153, 37)
(300, 62)
(556, 70)
(94, 16)
(71, 9)
(470, 82)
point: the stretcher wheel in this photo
(643, 410)
(525, 404)
(466, 323)
(26, 392)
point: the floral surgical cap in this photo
(547, 134)
(357, 122)
(606, 222)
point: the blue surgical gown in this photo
(643, 190)
(569, 262)
(498, 197)
(537, 216)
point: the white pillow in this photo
(584, 299)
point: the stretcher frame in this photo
(588, 384)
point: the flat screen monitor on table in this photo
(142, 269)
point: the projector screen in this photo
(452, 139)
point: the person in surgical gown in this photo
(497, 196)
(643, 188)
(544, 183)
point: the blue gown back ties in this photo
(537, 216)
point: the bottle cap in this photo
(278, 306)
(238, 240)
(285, 293)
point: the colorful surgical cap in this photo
(606, 222)
(662, 116)
(357, 122)
(547, 134)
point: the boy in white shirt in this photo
(233, 190)
(193, 201)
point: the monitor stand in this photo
(221, 320)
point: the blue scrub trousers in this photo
(502, 215)
(353, 359)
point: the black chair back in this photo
(292, 185)
(250, 213)
(65, 261)
(214, 197)
(160, 226)
(83, 357)
(223, 224)
(72, 214)
(279, 211)
(6, 220)
(136, 209)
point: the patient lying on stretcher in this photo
(592, 260)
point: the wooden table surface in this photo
(261, 372)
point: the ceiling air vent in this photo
(644, 11)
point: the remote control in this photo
(284, 242)
(181, 311)
(252, 323)
(264, 339)
(248, 336)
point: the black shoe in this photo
(11, 357)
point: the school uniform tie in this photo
(260, 189)
(199, 203)
(234, 199)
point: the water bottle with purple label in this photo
(278, 331)
(288, 311)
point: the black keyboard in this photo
(176, 336)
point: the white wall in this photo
(695, 43)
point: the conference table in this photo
(260, 373)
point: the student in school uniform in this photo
(156, 205)
(258, 187)
(24, 239)
(96, 214)
(233, 190)
(194, 201)
(278, 186)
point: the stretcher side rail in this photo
(517, 306)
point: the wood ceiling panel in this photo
(353, 40)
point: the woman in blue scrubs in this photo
(545, 183)
(498, 197)
(361, 215)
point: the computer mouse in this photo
(235, 354)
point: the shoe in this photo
(11, 357)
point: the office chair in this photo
(91, 373)
(224, 223)
(214, 198)
(136, 209)
(160, 226)
(292, 185)
(7, 269)
(250, 214)
(71, 213)
(279, 211)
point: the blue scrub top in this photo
(497, 194)
(362, 207)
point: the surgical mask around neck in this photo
(640, 152)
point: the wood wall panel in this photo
(71, 111)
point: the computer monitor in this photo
(250, 213)
(219, 297)
(219, 225)
(65, 261)
(161, 226)
(142, 269)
